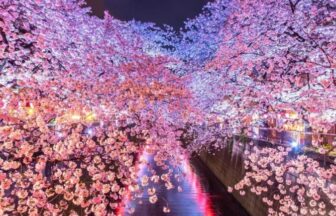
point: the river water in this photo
(202, 194)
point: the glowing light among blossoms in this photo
(294, 144)
(30, 111)
(229, 65)
(90, 117)
(75, 117)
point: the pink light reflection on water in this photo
(203, 200)
(193, 195)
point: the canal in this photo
(197, 193)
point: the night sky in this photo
(171, 12)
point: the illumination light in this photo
(294, 144)
(75, 117)
(90, 117)
(30, 111)
(89, 131)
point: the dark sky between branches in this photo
(171, 12)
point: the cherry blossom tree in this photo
(77, 107)
(280, 59)
(81, 97)
(274, 56)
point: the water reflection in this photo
(202, 193)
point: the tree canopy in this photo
(81, 97)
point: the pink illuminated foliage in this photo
(280, 55)
(288, 184)
(77, 107)
(81, 97)
(274, 56)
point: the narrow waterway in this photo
(201, 194)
